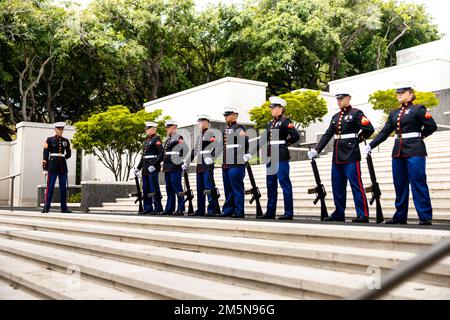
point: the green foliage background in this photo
(60, 63)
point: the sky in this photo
(439, 10)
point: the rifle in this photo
(214, 192)
(138, 194)
(188, 193)
(254, 191)
(319, 190)
(374, 188)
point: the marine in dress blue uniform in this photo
(349, 127)
(150, 164)
(54, 165)
(412, 123)
(173, 152)
(280, 133)
(235, 153)
(204, 155)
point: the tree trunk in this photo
(24, 92)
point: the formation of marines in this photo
(349, 127)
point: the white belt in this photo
(409, 135)
(345, 136)
(172, 152)
(229, 146)
(57, 155)
(150, 157)
(278, 142)
(205, 151)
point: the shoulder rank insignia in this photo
(365, 121)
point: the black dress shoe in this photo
(360, 220)
(285, 217)
(45, 211)
(224, 215)
(196, 214)
(166, 213)
(238, 215)
(148, 213)
(66, 211)
(334, 218)
(392, 221)
(425, 223)
(179, 213)
(266, 217)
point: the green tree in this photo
(386, 100)
(115, 137)
(303, 108)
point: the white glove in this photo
(184, 166)
(312, 154)
(151, 169)
(209, 161)
(137, 172)
(367, 149)
(247, 157)
(45, 173)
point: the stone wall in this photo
(444, 106)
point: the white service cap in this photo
(151, 125)
(203, 117)
(171, 123)
(59, 124)
(230, 110)
(277, 101)
(403, 85)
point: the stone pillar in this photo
(27, 160)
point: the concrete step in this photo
(55, 284)
(276, 258)
(301, 216)
(300, 206)
(72, 206)
(384, 177)
(196, 233)
(163, 283)
(324, 163)
(10, 290)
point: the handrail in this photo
(405, 271)
(12, 177)
(9, 177)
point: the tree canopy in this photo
(115, 137)
(60, 63)
(303, 108)
(386, 100)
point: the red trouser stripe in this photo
(46, 190)
(358, 170)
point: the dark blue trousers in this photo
(281, 176)
(173, 187)
(204, 183)
(411, 171)
(233, 182)
(150, 185)
(340, 173)
(51, 180)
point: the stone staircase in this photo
(98, 256)
(126, 256)
(438, 176)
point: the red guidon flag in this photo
(365, 121)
